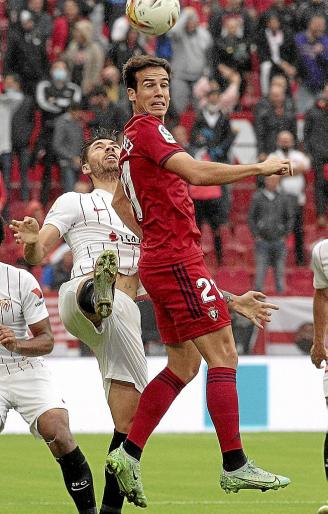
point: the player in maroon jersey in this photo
(192, 312)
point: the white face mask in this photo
(59, 74)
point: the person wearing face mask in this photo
(294, 186)
(54, 97)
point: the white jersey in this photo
(319, 265)
(21, 304)
(89, 226)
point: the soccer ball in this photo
(153, 17)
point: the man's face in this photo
(103, 156)
(152, 94)
(285, 140)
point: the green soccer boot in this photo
(251, 477)
(128, 475)
(104, 282)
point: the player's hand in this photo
(252, 305)
(275, 166)
(8, 339)
(26, 231)
(318, 354)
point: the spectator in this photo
(294, 186)
(26, 54)
(272, 115)
(285, 13)
(54, 275)
(212, 138)
(115, 90)
(229, 96)
(53, 97)
(233, 9)
(106, 114)
(10, 101)
(84, 57)
(35, 209)
(277, 52)
(21, 131)
(120, 51)
(270, 221)
(315, 143)
(232, 49)
(312, 47)
(63, 28)
(190, 44)
(67, 145)
(307, 10)
(114, 9)
(42, 20)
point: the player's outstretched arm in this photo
(41, 343)
(252, 305)
(204, 173)
(123, 208)
(37, 243)
(320, 318)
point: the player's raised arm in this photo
(37, 243)
(204, 173)
(123, 208)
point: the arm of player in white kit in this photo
(41, 343)
(123, 208)
(37, 243)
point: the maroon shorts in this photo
(186, 300)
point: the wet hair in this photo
(101, 133)
(2, 230)
(139, 63)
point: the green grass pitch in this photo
(180, 474)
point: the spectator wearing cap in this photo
(54, 97)
(312, 47)
(190, 44)
(26, 54)
(315, 144)
(106, 113)
(67, 145)
(84, 57)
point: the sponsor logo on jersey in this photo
(213, 313)
(166, 134)
(39, 294)
(113, 236)
(5, 304)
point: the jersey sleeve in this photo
(64, 212)
(155, 141)
(33, 304)
(320, 278)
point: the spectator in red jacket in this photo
(62, 29)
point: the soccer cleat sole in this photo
(104, 281)
(131, 496)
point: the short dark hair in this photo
(140, 62)
(101, 133)
(2, 230)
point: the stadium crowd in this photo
(262, 60)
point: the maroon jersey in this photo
(160, 199)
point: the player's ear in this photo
(86, 169)
(131, 94)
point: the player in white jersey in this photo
(320, 317)
(92, 229)
(26, 384)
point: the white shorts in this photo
(31, 392)
(325, 383)
(117, 344)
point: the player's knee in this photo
(59, 437)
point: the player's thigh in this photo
(218, 348)
(5, 403)
(165, 324)
(75, 322)
(189, 296)
(121, 356)
(35, 393)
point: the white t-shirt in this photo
(21, 304)
(319, 265)
(294, 185)
(89, 226)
